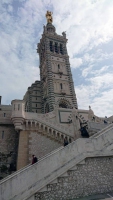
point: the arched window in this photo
(58, 66)
(63, 105)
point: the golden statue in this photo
(49, 17)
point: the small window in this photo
(58, 66)
(4, 114)
(36, 98)
(61, 48)
(51, 46)
(36, 111)
(2, 134)
(61, 86)
(36, 104)
(56, 47)
(18, 106)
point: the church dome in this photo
(50, 28)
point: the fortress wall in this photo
(92, 177)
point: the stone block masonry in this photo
(93, 177)
(8, 149)
(40, 145)
(8, 138)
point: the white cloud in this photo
(87, 24)
(103, 81)
(76, 62)
(98, 94)
(86, 71)
(10, 8)
(91, 71)
(98, 56)
(103, 105)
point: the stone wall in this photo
(8, 149)
(32, 98)
(40, 145)
(8, 142)
(93, 177)
(34, 142)
(8, 138)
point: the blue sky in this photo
(89, 28)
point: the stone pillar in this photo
(22, 159)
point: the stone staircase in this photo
(25, 183)
(81, 180)
(94, 127)
(104, 130)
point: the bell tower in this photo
(57, 86)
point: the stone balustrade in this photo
(49, 130)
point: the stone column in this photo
(22, 159)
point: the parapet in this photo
(18, 113)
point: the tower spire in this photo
(49, 17)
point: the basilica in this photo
(39, 124)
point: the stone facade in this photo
(55, 73)
(92, 177)
(42, 133)
(32, 98)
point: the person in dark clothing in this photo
(34, 159)
(84, 132)
(65, 141)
